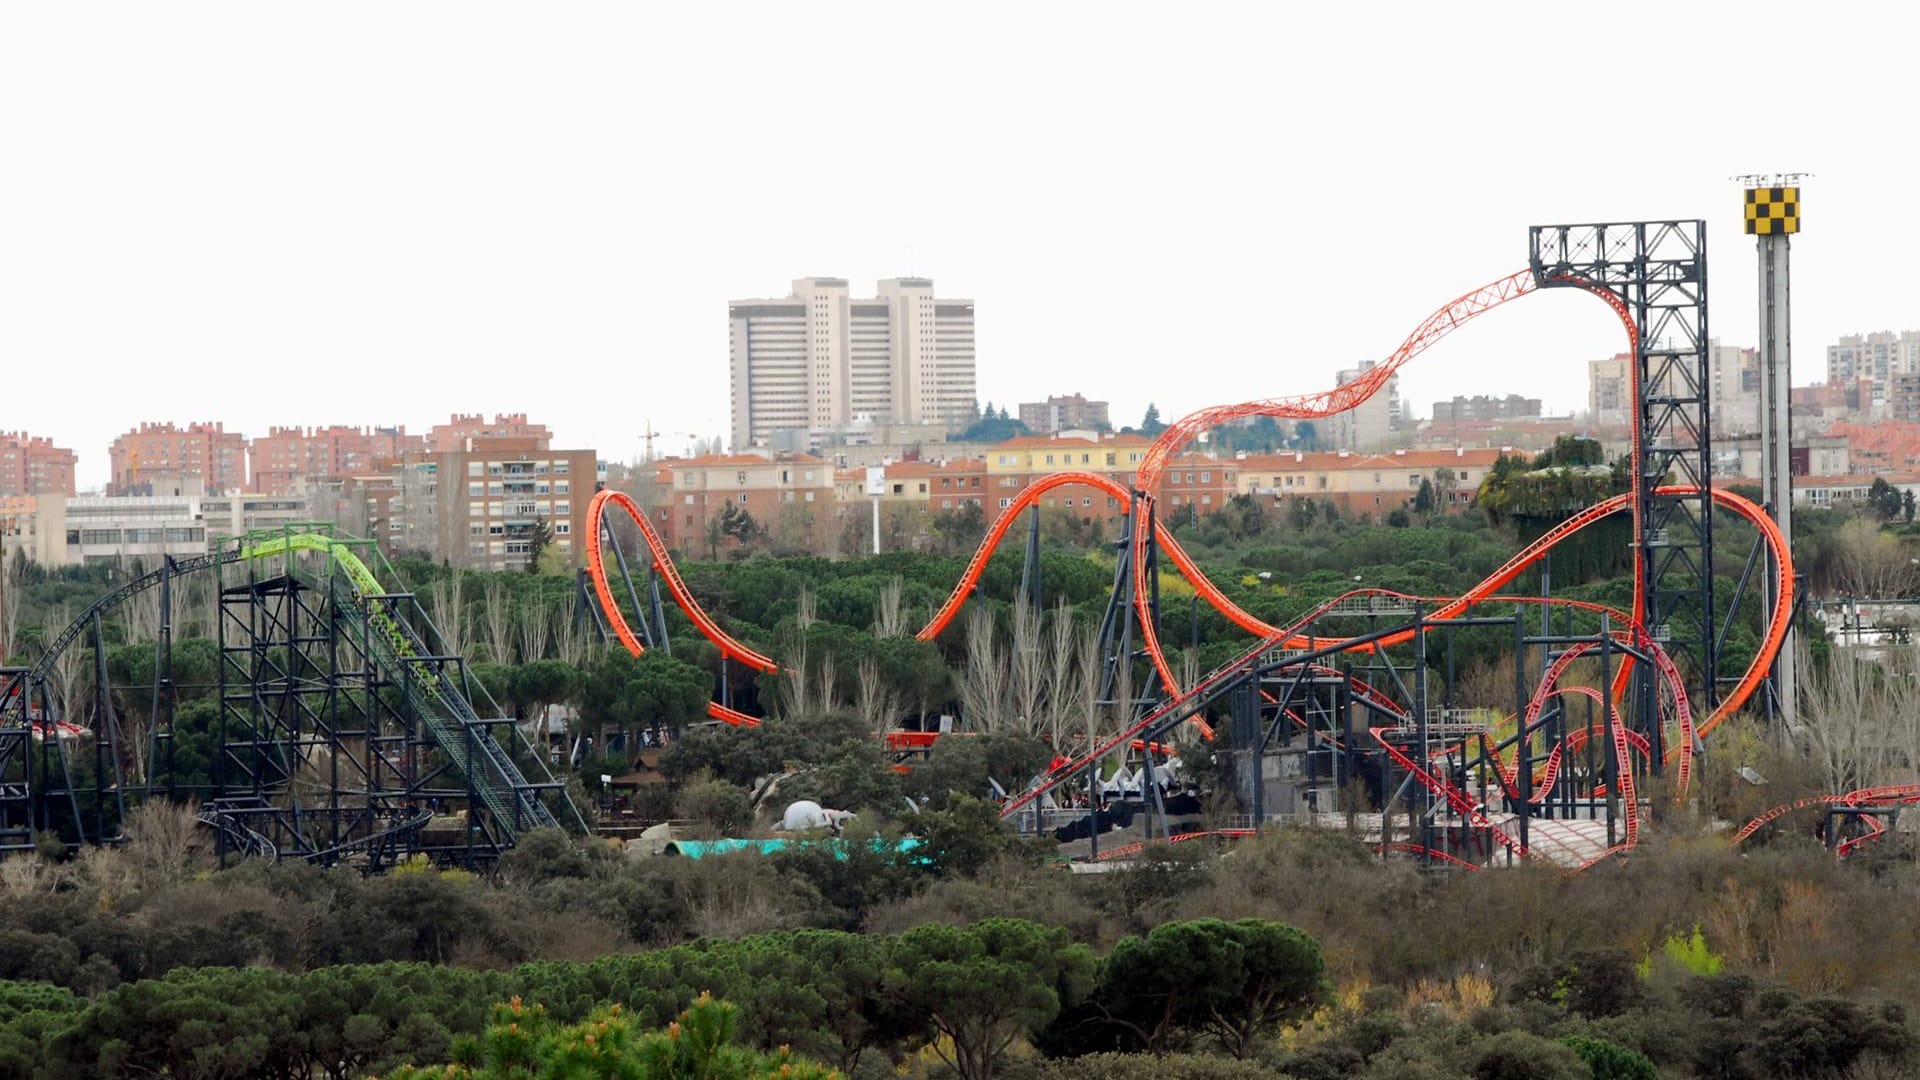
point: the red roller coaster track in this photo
(1138, 502)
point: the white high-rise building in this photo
(820, 361)
(1369, 425)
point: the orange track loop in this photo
(1308, 406)
(657, 551)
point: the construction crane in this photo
(649, 435)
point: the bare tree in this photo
(795, 684)
(497, 616)
(11, 602)
(1029, 668)
(874, 699)
(828, 699)
(806, 610)
(140, 615)
(1087, 684)
(1848, 723)
(888, 619)
(447, 598)
(67, 678)
(573, 642)
(1871, 564)
(1063, 687)
(535, 625)
(983, 685)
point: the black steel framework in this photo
(1658, 271)
(342, 734)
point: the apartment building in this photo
(163, 457)
(492, 493)
(1064, 413)
(1808, 455)
(1734, 383)
(32, 465)
(1015, 463)
(933, 486)
(1369, 425)
(1366, 483)
(1484, 407)
(396, 504)
(818, 361)
(460, 428)
(285, 458)
(1878, 356)
(1610, 391)
(790, 495)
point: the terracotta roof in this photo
(1323, 460)
(737, 460)
(1895, 441)
(1020, 442)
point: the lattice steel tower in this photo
(1658, 271)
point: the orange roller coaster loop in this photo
(1138, 503)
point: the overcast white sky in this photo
(383, 213)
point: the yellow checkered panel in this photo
(1773, 210)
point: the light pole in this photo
(876, 487)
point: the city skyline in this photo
(371, 241)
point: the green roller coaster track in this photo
(367, 611)
(448, 715)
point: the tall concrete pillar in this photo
(1772, 217)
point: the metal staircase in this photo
(444, 711)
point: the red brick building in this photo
(32, 465)
(158, 456)
(1376, 484)
(790, 495)
(454, 434)
(280, 460)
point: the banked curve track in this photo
(1440, 324)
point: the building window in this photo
(743, 498)
(689, 499)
